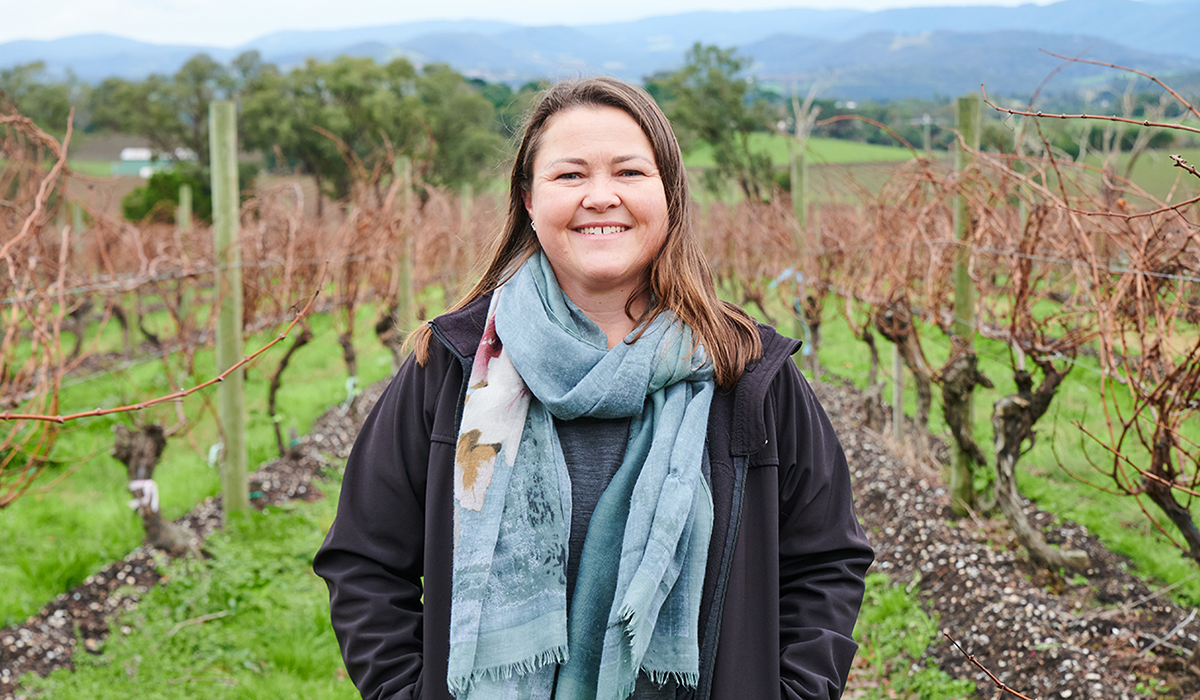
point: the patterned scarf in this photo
(637, 597)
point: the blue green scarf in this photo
(637, 597)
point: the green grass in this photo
(54, 540)
(1044, 472)
(893, 633)
(821, 150)
(274, 640)
(840, 171)
(267, 634)
(1156, 173)
(94, 168)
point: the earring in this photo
(533, 225)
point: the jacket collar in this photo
(460, 331)
(749, 429)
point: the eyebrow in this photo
(618, 159)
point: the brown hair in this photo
(679, 279)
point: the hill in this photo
(891, 53)
(884, 65)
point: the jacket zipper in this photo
(712, 631)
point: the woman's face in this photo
(597, 201)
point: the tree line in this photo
(319, 118)
(327, 119)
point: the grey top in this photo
(593, 449)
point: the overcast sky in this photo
(230, 23)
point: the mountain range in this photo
(883, 54)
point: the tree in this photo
(47, 103)
(159, 197)
(322, 116)
(197, 84)
(139, 109)
(283, 111)
(709, 102)
(170, 113)
(460, 120)
(510, 107)
(354, 113)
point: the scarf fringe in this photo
(660, 679)
(681, 678)
(630, 621)
(462, 686)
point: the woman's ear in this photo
(528, 197)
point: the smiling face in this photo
(597, 200)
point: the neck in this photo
(607, 310)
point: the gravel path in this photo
(1041, 635)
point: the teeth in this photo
(602, 230)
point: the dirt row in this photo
(1098, 636)
(85, 614)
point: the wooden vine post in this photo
(466, 203)
(799, 176)
(962, 468)
(77, 223)
(469, 235)
(222, 120)
(805, 116)
(897, 394)
(183, 215)
(402, 170)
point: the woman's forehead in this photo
(571, 134)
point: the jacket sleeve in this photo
(372, 558)
(823, 553)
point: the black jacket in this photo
(785, 566)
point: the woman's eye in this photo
(630, 172)
(569, 176)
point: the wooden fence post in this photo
(799, 176)
(470, 240)
(967, 120)
(222, 122)
(897, 393)
(183, 215)
(77, 225)
(402, 169)
(459, 241)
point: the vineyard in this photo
(1041, 315)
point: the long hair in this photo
(679, 278)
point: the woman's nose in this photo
(601, 195)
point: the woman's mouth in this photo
(601, 230)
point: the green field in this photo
(250, 620)
(273, 638)
(820, 150)
(1045, 472)
(57, 537)
(61, 536)
(94, 168)
(1156, 173)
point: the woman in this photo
(593, 478)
